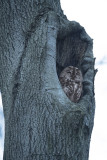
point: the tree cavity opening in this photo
(71, 49)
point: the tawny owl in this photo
(71, 81)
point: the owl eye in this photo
(77, 82)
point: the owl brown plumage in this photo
(71, 81)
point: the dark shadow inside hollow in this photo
(70, 51)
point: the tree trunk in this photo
(36, 43)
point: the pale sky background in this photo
(92, 15)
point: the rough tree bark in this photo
(36, 43)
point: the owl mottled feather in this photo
(71, 81)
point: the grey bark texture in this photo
(36, 43)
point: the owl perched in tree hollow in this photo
(71, 81)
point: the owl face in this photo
(71, 81)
